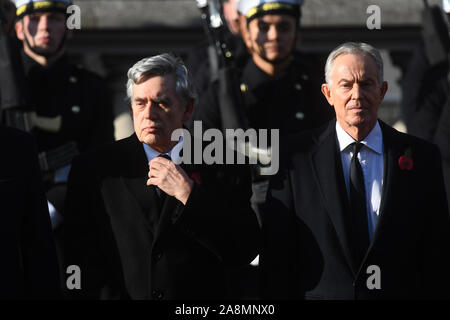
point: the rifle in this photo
(222, 66)
(435, 34)
(229, 95)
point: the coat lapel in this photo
(327, 166)
(135, 177)
(171, 204)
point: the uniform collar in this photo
(30, 65)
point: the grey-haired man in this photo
(358, 210)
(139, 225)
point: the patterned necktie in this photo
(359, 223)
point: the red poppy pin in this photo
(196, 177)
(405, 162)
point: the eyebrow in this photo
(345, 80)
(162, 98)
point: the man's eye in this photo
(56, 18)
(284, 27)
(366, 83)
(263, 27)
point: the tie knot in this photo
(356, 148)
(164, 155)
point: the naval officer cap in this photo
(256, 8)
(25, 7)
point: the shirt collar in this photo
(373, 141)
(174, 156)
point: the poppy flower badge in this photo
(196, 177)
(405, 162)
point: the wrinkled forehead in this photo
(354, 65)
(155, 85)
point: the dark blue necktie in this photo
(162, 195)
(358, 211)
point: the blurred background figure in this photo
(426, 87)
(29, 268)
(9, 14)
(221, 25)
(64, 106)
(276, 88)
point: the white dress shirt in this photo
(371, 159)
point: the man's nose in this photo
(43, 22)
(151, 110)
(272, 34)
(356, 91)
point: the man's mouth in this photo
(44, 40)
(151, 129)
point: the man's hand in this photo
(170, 178)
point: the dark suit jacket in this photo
(28, 269)
(113, 233)
(306, 249)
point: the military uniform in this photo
(75, 96)
(65, 107)
(199, 64)
(426, 105)
(291, 102)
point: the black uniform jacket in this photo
(29, 267)
(128, 246)
(291, 102)
(306, 249)
(76, 95)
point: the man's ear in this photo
(384, 87)
(188, 110)
(243, 27)
(19, 30)
(327, 93)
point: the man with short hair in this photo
(142, 225)
(358, 210)
(65, 107)
(277, 88)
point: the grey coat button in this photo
(73, 79)
(75, 109)
(299, 115)
(158, 255)
(298, 86)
